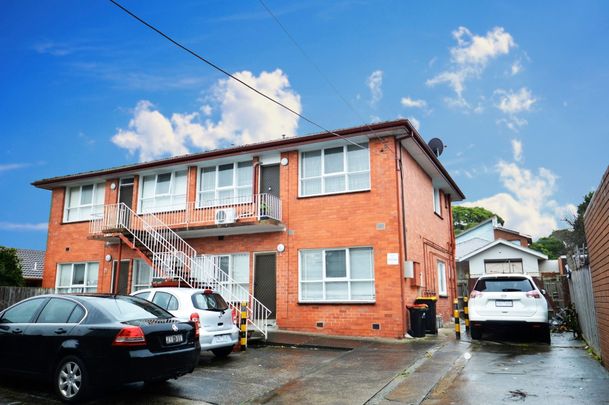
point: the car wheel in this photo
(476, 332)
(71, 379)
(222, 352)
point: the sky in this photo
(516, 90)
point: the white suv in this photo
(217, 332)
(508, 299)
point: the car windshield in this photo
(124, 308)
(210, 302)
(504, 284)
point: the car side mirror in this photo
(543, 292)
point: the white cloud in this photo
(12, 166)
(527, 205)
(12, 226)
(375, 83)
(244, 117)
(470, 57)
(412, 103)
(517, 150)
(415, 123)
(516, 68)
(511, 102)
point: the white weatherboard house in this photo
(489, 248)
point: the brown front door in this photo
(120, 281)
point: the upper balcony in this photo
(257, 213)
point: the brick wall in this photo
(429, 236)
(597, 235)
(501, 234)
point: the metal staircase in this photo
(171, 257)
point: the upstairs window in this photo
(230, 183)
(437, 203)
(84, 202)
(335, 170)
(163, 192)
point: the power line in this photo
(210, 63)
(321, 73)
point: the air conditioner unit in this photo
(225, 216)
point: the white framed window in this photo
(142, 275)
(335, 170)
(231, 270)
(84, 202)
(442, 290)
(229, 183)
(163, 192)
(77, 277)
(336, 275)
(437, 203)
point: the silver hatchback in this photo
(218, 331)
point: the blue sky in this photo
(516, 90)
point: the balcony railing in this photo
(241, 209)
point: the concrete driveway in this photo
(307, 369)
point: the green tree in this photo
(10, 268)
(578, 234)
(550, 246)
(468, 217)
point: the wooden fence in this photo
(580, 286)
(11, 295)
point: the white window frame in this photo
(76, 288)
(173, 206)
(235, 199)
(442, 281)
(138, 266)
(96, 210)
(437, 201)
(327, 280)
(323, 176)
(211, 266)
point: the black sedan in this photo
(84, 341)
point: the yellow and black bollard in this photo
(243, 327)
(466, 313)
(457, 321)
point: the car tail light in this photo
(533, 294)
(130, 336)
(235, 315)
(208, 291)
(475, 294)
(194, 317)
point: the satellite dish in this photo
(437, 146)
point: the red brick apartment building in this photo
(320, 233)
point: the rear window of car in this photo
(504, 284)
(124, 308)
(210, 302)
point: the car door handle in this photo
(60, 331)
(17, 331)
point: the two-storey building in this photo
(326, 233)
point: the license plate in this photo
(173, 339)
(221, 339)
(505, 303)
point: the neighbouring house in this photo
(32, 266)
(491, 248)
(596, 222)
(326, 233)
